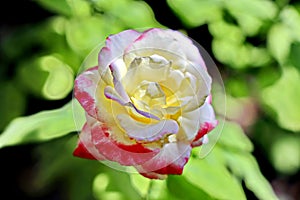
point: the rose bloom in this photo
(147, 102)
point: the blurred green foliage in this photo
(256, 44)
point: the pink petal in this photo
(204, 129)
(207, 122)
(82, 152)
(85, 148)
(85, 88)
(115, 46)
(112, 150)
(171, 160)
(151, 175)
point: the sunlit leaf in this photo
(239, 55)
(195, 13)
(158, 190)
(283, 98)
(42, 126)
(211, 175)
(140, 183)
(233, 137)
(181, 189)
(245, 166)
(229, 32)
(84, 33)
(285, 154)
(279, 41)
(80, 7)
(119, 186)
(249, 23)
(135, 14)
(291, 18)
(257, 8)
(60, 79)
(251, 13)
(58, 6)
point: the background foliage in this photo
(256, 46)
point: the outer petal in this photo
(168, 40)
(134, 154)
(85, 147)
(114, 47)
(85, 88)
(207, 122)
(170, 160)
(151, 175)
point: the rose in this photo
(147, 102)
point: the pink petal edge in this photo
(112, 150)
(84, 90)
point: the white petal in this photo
(190, 123)
(115, 47)
(147, 132)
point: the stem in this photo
(149, 190)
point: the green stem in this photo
(149, 190)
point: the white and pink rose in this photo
(147, 103)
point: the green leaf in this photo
(285, 154)
(32, 78)
(233, 137)
(211, 175)
(140, 183)
(239, 55)
(245, 166)
(196, 13)
(42, 126)
(283, 98)
(60, 79)
(134, 14)
(229, 32)
(57, 164)
(259, 9)
(84, 33)
(291, 18)
(279, 41)
(12, 103)
(250, 14)
(119, 186)
(58, 6)
(178, 184)
(294, 55)
(67, 7)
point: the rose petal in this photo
(207, 122)
(171, 160)
(147, 132)
(190, 123)
(85, 88)
(114, 47)
(112, 94)
(114, 68)
(145, 68)
(85, 148)
(112, 150)
(151, 175)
